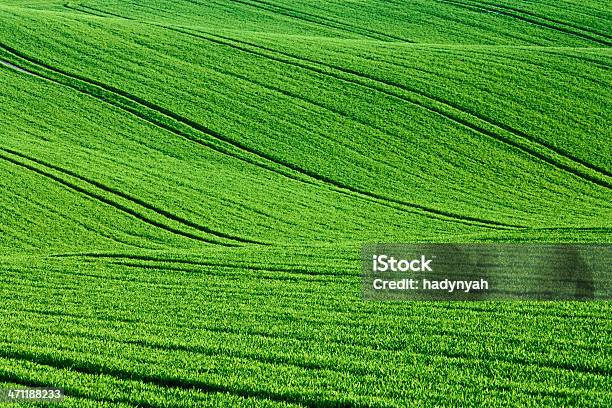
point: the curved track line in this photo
(107, 201)
(470, 24)
(275, 359)
(104, 13)
(312, 102)
(90, 229)
(15, 67)
(131, 104)
(313, 18)
(550, 20)
(134, 200)
(340, 187)
(508, 128)
(498, 59)
(438, 111)
(165, 381)
(465, 123)
(472, 7)
(598, 63)
(146, 258)
(72, 394)
(444, 354)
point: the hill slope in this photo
(186, 186)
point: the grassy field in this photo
(186, 186)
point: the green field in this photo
(185, 187)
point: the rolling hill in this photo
(186, 186)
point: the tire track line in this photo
(459, 358)
(529, 63)
(329, 364)
(274, 359)
(135, 106)
(103, 199)
(472, 6)
(311, 176)
(92, 11)
(501, 125)
(339, 317)
(165, 381)
(316, 19)
(298, 270)
(282, 276)
(132, 199)
(71, 393)
(585, 58)
(16, 68)
(550, 20)
(469, 24)
(338, 324)
(312, 102)
(454, 118)
(96, 231)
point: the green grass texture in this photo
(185, 187)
